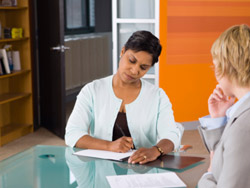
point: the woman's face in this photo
(133, 65)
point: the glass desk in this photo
(55, 166)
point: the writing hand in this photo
(218, 103)
(122, 145)
(144, 155)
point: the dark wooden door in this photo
(50, 16)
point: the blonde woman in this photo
(226, 132)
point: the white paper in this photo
(104, 154)
(159, 180)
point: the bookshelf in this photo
(16, 104)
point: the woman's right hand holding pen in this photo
(218, 103)
(122, 145)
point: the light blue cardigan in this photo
(150, 116)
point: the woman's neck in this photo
(117, 82)
(240, 92)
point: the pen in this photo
(123, 133)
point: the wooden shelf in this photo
(11, 132)
(14, 73)
(13, 40)
(12, 8)
(16, 102)
(10, 97)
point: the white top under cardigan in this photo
(150, 116)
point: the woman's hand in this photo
(211, 158)
(122, 145)
(144, 155)
(218, 103)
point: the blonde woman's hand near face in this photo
(218, 103)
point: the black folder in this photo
(173, 161)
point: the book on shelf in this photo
(9, 55)
(16, 60)
(2, 70)
(8, 3)
(3, 55)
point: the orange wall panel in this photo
(188, 87)
(187, 31)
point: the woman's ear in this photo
(122, 51)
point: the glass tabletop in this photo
(56, 166)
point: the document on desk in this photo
(101, 154)
(169, 179)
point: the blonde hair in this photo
(231, 53)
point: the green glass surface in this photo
(56, 166)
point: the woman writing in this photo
(123, 111)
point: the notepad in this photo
(101, 154)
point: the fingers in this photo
(218, 94)
(218, 103)
(145, 160)
(138, 157)
(143, 155)
(218, 91)
(123, 144)
(128, 142)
